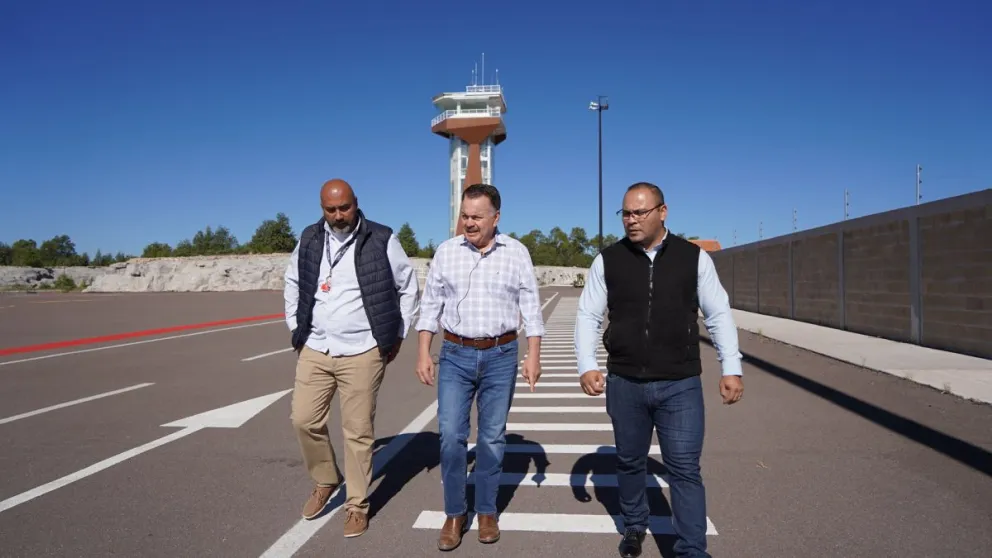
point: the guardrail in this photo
(469, 113)
(483, 89)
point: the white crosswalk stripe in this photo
(559, 381)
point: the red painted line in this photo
(131, 334)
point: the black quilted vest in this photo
(375, 279)
(653, 330)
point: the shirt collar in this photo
(341, 236)
(660, 244)
(498, 240)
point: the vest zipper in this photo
(647, 320)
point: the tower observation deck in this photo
(472, 122)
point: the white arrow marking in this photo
(231, 416)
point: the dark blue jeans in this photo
(463, 374)
(675, 409)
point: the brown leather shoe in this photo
(488, 528)
(355, 524)
(451, 533)
(318, 499)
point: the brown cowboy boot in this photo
(451, 533)
(488, 528)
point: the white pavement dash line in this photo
(559, 426)
(74, 402)
(599, 480)
(133, 343)
(263, 355)
(555, 409)
(559, 523)
(550, 384)
(565, 449)
(301, 532)
(536, 395)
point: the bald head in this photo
(340, 205)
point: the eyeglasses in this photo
(637, 214)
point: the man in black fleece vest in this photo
(350, 295)
(653, 284)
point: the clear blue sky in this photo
(123, 124)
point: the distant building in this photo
(708, 245)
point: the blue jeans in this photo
(675, 409)
(463, 373)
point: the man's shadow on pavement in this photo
(603, 462)
(514, 464)
(411, 455)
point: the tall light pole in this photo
(599, 105)
(919, 170)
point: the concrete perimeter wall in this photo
(920, 274)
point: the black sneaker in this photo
(630, 546)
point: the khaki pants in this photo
(357, 379)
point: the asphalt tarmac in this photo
(107, 450)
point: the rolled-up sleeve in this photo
(432, 299)
(530, 298)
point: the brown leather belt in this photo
(481, 343)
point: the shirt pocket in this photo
(502, 280)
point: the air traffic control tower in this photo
(472, 122)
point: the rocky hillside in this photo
(203, 273)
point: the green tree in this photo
(25, 253)
(58, 251)
(273, 236)
(6, 254)
(429, 250)
(157, 250)
(210, 242)
(408, 240)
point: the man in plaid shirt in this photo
(479, 286)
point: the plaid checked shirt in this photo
(481, 296)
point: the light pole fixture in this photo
(599, 105)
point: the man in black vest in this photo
(653, 284)
(350, 294)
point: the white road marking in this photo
(559, 426)
(133, 343)
(231, 416)
(74, 402)
(270, 353)
(298, 535)
(559, 523)
(537, 395)
(555, 409)
(601, 480)
(550, 384)
(565, 449)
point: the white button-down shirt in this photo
(481, 295)
(340, 324)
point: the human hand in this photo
(425, 369)
(592, 382)
(731, 389)
(532, 369)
